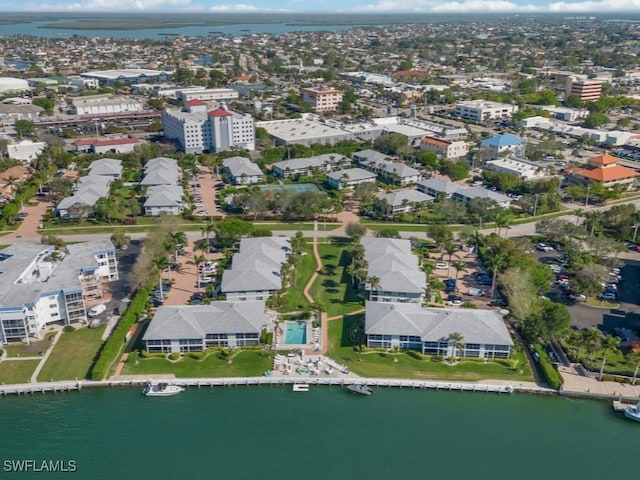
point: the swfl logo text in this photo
(40, 466)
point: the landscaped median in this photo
(413, 365)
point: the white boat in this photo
(300, 387)
(162, 389)
(360, 389)
(632, 412)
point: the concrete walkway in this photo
(578, 384)
(54, 341)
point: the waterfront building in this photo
(349, 178)
(242, 171)
(198, 130)
(194, 328)
(40, 285)
(500, 145)
(322, 99)
(386, 169)
(479, 111)
(409, 326)
(255, 272)
(309, 165)
(397, 270)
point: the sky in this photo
(325, 6)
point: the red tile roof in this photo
(219, 112)
(194, 103)
(96, 142)
(608, 174)
(604, 159)
(435, 141)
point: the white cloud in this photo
(483, 6)
(493, 6)
(601, 6)
(110, 6)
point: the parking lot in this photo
(205, 191)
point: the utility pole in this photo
(586, 202)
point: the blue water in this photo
(32, 28)
(296, 333)
(302, 187)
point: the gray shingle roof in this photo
(239, 166)
(196, 321)
(435, 324)
(354, 174)
(391, 260)
(396, 198)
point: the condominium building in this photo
(198, 130)
(40, 285)
(587, 90)
(322, 100)
(482, 110)
(210, 94)
(444, 147)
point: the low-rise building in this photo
(40, 285)
(479, 111)
(106, 104)
(207, 94)
(9, 113)
(194, 328)
(405, 201)
(322, 99)
(109, 167)
(409, 326)
(163, 200)
(255, 272)
(587, 90)
(242, 171)
(388, 170)
(501, 145)
(349, 178)
(394, 273)
(87, 191)
(446, 148)
(521, 168)
(309, 165)
(25, 151)
(441, 187)
(604, 170)
(107, 145)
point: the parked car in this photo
(476, 292)
(578, 297)
(450, 285)
(97, 310)
(442, 266)
(205, 281)
(610, 296)
(454, 300)
(543, 247)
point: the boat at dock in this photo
(162, 389)
(632, 412)
(360, 389)
(300, 387)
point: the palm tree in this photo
(579, 213)
(459, 266)
(161, 263)
(374, 284)
(495, 263)
(206, 232)
(456, 339)
(198, 260)
(609, 343)
(179, 238)
(591, 339)
(450, 248)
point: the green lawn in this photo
(378, 364)
(73, 355)
(249, 363)
(33, 349)
(332, 288)
(294, 299)
(17, 372)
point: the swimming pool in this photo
(296, 333)
(296, 187)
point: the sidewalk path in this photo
(36, 372)
(579, 384)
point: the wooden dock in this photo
(619, 405)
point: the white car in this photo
(442, 266)
(578, 297)
(97, 310)
(543, 247)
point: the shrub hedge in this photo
(549, 371)
(112, 347)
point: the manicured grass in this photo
(19, 371)
(378, 364)
(332, 288)
(249, 363)
(73, 355)
(294, 298)
(33, 349)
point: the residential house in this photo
(242, 171)
(349, 178)
(396, 270)
(194, 328)
(409, 326)
(86, 192)
(163, 200)
(405, 201)
(109, 167)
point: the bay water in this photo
(327, 433)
